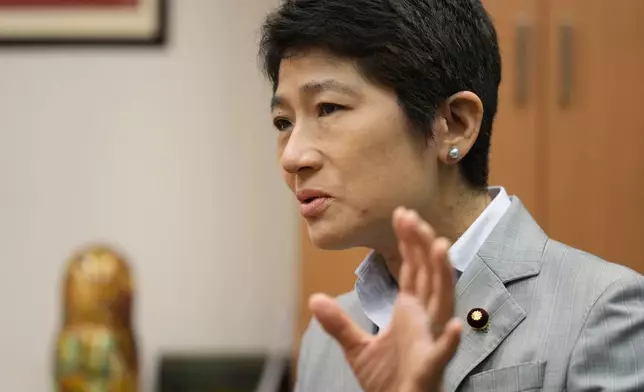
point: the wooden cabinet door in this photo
(514, 155)
(595, 130)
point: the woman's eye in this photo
(326, 109)
(281, 124)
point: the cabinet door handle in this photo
(522, 63)
(565, 62)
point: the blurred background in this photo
(156, 138)
(168, 154)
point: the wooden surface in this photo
(595, 157)
(516, 147)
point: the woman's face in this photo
(347, 151)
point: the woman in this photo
(386, 107)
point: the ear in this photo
(457, 125)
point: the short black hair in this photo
(425, 50)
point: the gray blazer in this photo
(560, 320)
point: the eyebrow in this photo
(316, 87)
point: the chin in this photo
(328, 236)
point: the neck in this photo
(457, 213)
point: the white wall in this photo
(167, 154)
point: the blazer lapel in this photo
(512, 251)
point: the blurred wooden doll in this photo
(96, 349)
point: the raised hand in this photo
(411, 354)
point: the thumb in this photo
(337, 323)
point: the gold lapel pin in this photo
(479, 319)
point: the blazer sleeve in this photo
(609, 352)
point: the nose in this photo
(300, 152)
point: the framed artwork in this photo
(83, 22)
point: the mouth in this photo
(310, 200)
(313, 203)
(306, 196)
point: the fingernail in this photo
(424, 226)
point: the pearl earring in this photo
(454, 153)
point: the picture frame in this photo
(83, 22)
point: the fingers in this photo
(337, 323)
(426, 272)
(408, 268)
(425, 278)
(407, 277)
(440, 306)
(415, 238)
(441, 353)
(446, 345)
